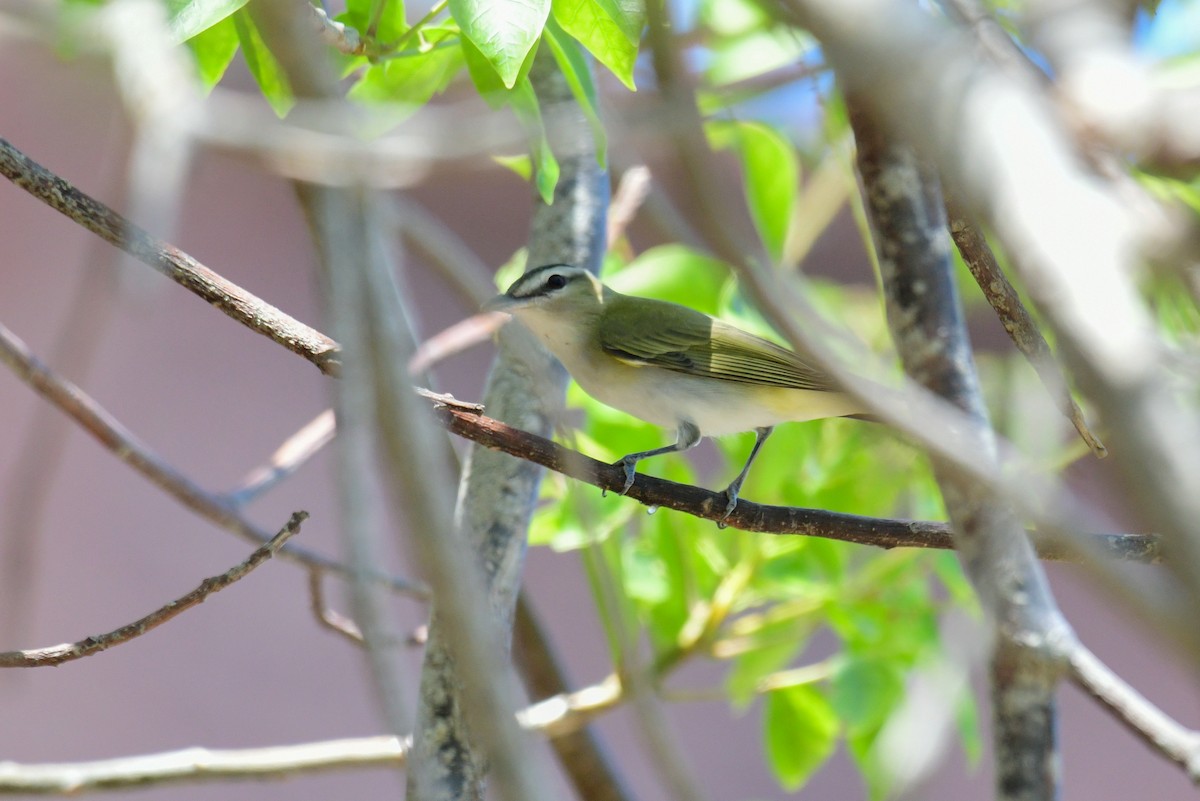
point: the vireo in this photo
(667, 364)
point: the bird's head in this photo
(559, 290)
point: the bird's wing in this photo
(690, 342)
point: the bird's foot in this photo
(731, 502)
(630, 473)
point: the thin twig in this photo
(1016, 319)
(110, 433)
(195, 765)
(632, 190)
(247, 309)
(337, 35)
(325, 615)
(554, 717)
(1166, 735)
(289, 457)
(58, 654)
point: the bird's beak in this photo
(500, 303)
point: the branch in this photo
(554, 717)
(289, 457)
(583, 756)
(246, 308)
(1028, 632)
(200, 765)
(1174, 741)
(467, 421)
(58, 654)
(113, 436)
(1016, 319)
(497, 493)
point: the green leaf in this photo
(524, 104)
(263, 66)
(864, 692)
(504, 31)
(520, 165)
(413, 79)
(780, 642)
(966, 719)
(391, 24)
(771, 173)
(676, 273)
(610, 29)
(214, 49)
(754, 54)
(189, 17)
(574, 68)
(800, 730)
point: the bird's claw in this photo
(630, 474)
(731, 496)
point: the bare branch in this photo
(97, 422)
(554, 717)
(58, 654)
(336, 35)
(286, 460)
(194, 765)
(250, 311)
(580, 751)
(327, 617)
(1017, 321)
(1174, 741)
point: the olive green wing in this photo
(646, 332)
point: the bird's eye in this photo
(556, 281)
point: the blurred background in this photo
(250, 667)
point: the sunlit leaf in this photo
(574, 67)
(189, 17)
(214, 49)
(504, 31)
(390, 14)
(413, 79)
(675, 273)
(771, 174)
(609, 30)
(524, 104)
(263, 66)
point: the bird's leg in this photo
(688, 436)
(731, 492)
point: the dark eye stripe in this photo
(537, 282)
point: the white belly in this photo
(667, 398)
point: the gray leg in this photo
(731, 492)
(688, 436)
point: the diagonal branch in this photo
(57, 654)
(1166, 735)
(246, 308)
(1016, 319)
(106, 430)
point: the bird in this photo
(669, 365)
